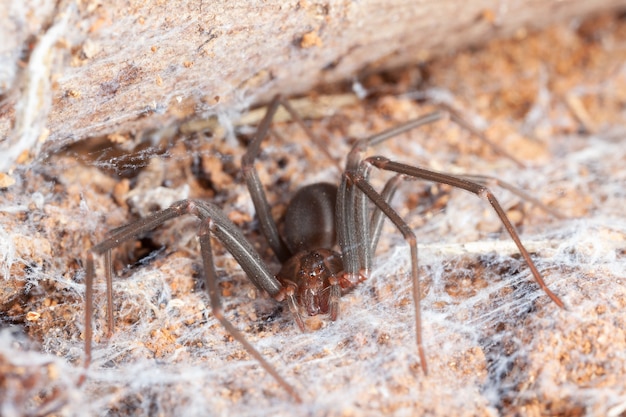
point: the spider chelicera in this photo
(319, 217)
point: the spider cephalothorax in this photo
(314, 275)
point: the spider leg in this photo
(213, 222)
(357, 234)
(352, 206)
(334, 297)
(354, 271)
(118, 236)
(255, 188)
(489, 181)
(378, 217)
(367, 190)
(108, 268)
(475, 188)
(358, 259)
(391, 186)
(206, 228)
(293, 307)
(456, 118)
(296, 117)
(257, 193)
(88, 313)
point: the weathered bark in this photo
(126, 66)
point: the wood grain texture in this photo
(128, 66)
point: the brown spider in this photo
(319, 217)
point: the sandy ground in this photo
(495, 344)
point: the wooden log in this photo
(82, 71)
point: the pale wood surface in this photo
(90, 69)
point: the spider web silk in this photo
(494, 342)
(480, 345)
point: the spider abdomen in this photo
(310, 218)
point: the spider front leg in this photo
(352, 206)
(359, 179)
(476, 188)
(391, 186)
(380, 202)
(358, 232)
(212, 222)
(263, 210)
(208, 227)
(118, 236)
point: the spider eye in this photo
(316, 272)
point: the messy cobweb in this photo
(494, 342)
